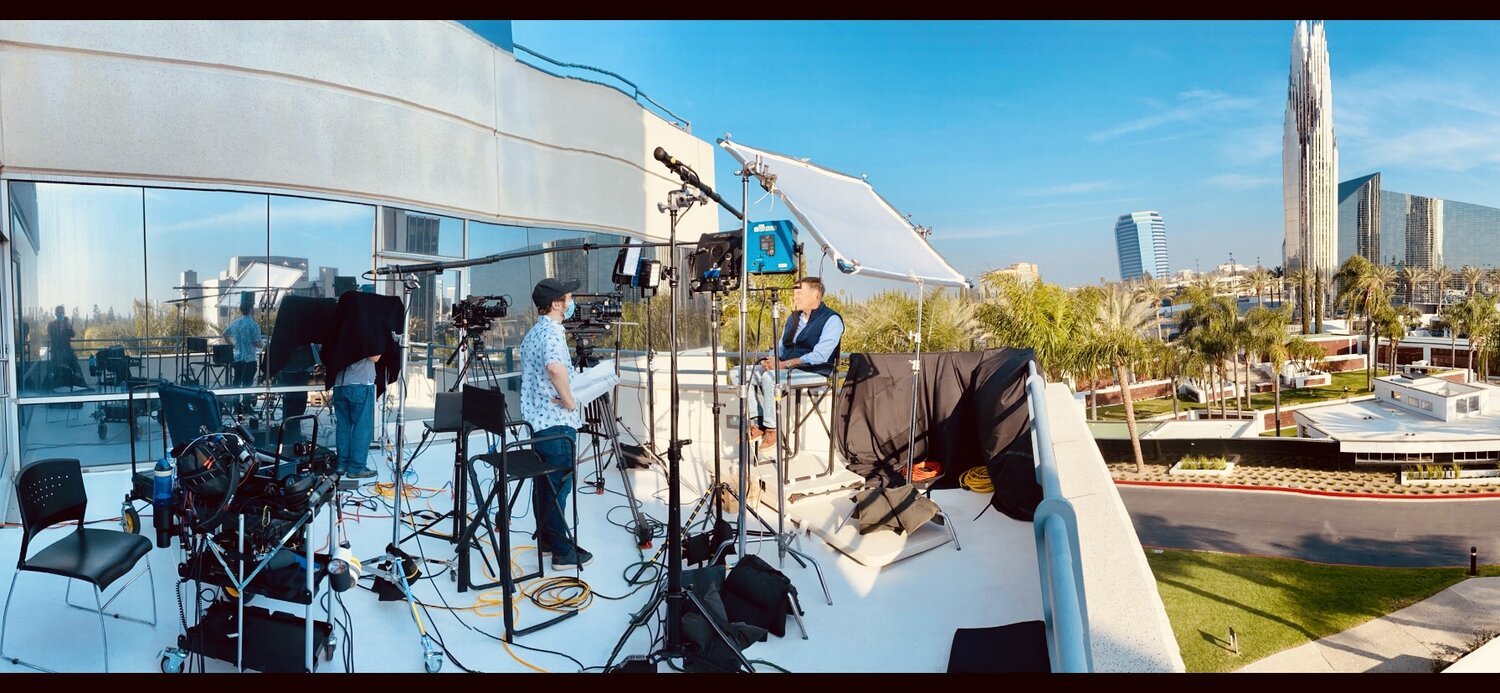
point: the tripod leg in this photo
(797, 614)
(637, 620)
(816, 568)
(952, 531)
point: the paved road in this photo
(1395, 533)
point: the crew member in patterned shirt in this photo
(547, 404)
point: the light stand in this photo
(678, 203)
(675, 596)
(911, 443)
(393, 557)
(650, 370)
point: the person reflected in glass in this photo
(244, 333)
(65, 369)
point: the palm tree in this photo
(1038, 316)
(1260, 281)
(1174, 362)
(1453, 320)
(1119, 321)
(1471, 276)
(1477, 318)
(1298, 277)
(1155, 290)
(1206, 327)
(1412, 276)
(1267, 329)
(1365, 289)
(1440, 276)
(1404, 320)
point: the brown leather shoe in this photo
(755, 432)
(768, 441)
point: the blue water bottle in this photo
(161, 502)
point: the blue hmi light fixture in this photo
(771, 244)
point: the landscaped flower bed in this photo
(1203, 465)
(1434, 475)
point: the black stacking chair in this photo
(51, 492)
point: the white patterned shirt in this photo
(545, 344)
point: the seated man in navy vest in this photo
(807, 351)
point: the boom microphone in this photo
(689, 176)
(662, 156)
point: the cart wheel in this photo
(130, 520)
(171, 663)
(434, 662)
(103, 430)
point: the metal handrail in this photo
(634, 93)
(1064, 607)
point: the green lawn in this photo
(1288, 432)
(1354, 380)
(1275, 603)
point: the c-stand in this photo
(676, 597)
(392, 566)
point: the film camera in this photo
(593, 316)
(478, 313)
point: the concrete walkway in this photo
(1405, 641)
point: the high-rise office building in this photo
(1310, 155)
(1359, 218)
(1141, 244)
(1416, 229)
(1424, 231)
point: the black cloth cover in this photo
(1016, 648)
(757, 594)
(365, 325)
(300, 321)
(707, 652)
(971, 410)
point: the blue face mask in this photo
(568, 314)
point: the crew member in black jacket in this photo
(362, 358)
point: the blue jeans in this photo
(549, 492)
(765, 389)
(353, 425)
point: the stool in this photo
(512, 463)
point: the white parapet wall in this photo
(1128, 625)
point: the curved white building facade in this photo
(156, 176)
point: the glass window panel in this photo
(95, 433)
(328, 244)
(419, 233)
(78, 248)
(511, 279)
(208, 267)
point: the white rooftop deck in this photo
(896, 618)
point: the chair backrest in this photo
(188, 412)
(49, 491)
(223, 354)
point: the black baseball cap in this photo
(549, 290)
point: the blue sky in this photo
(1023, 141)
